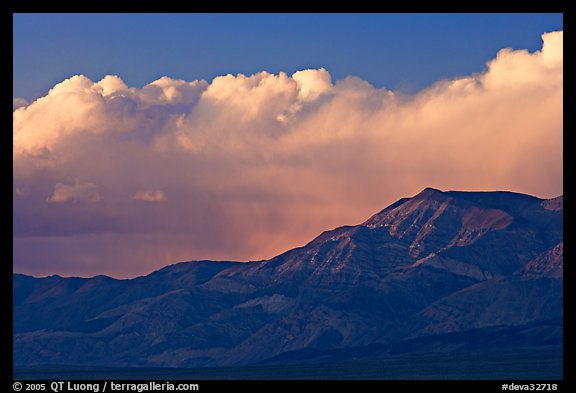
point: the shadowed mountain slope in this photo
(439, 271)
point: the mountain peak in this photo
(429, 192)
(435, 220)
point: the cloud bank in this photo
(120, 180)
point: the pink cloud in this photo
(77, 192)
(150, 196)
(257, 164)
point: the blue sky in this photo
(396, 51)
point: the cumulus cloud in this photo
(312, 83)
(256, 164)
(77, 192)
(111, 84)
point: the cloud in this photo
(77, 192)
(150, 196)
(312, 83)
(111, 84)
(18, 103)
(256, 164)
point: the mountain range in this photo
(435, 273)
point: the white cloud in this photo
(111, 84)
(521, 69)
(312, 83)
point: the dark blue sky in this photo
(397, 51)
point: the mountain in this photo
(438, 272)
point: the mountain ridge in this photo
(437, 263)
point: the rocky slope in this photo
(436, 272)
